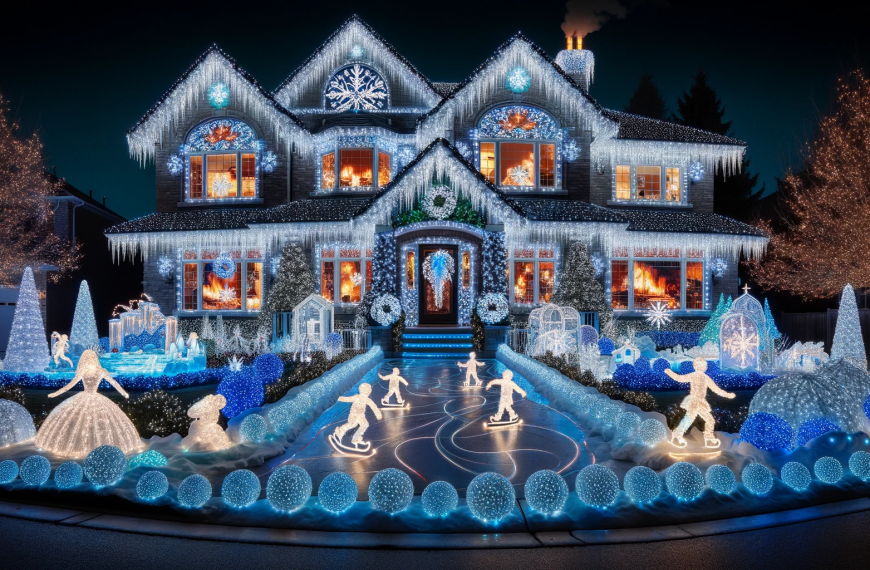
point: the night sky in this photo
(82, 77)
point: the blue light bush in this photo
(242, 389)
(641, 376)
(269, 368)
(767, 431)
(813, 428)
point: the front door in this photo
(438, 309)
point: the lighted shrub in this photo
(767, 431)
(242, 390)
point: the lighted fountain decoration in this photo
(553, 328)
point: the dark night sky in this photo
(82, 77)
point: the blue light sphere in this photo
(35, 470)
(68, 475)
(626, 423)
(546, 491)
(828, 470)
(859, 465)
(240, 488)
(767, 431)
(597, 486)
(253, 428)
(490, 497)
(642, 484)
(8, 471)
(269, 368)
(338, 492)
(150, 458)
(757, 478)
(813, 428)
(608, 413)
(721, 479)
(194, 491)
(439, 498)
(795, 475)
(391, 491)
(684, 481)
(105, 465)
(152, 485)
(242, 390)
(651, 432)
(288, 488)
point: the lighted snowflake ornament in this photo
(597, 265)
(224, 266)
(356, 279)
(221, 185)
(438, 269)
(518, 80)
(697, 171)
(174, 165)
(739, 338)
(658, 314)
(357, 52)
(356, 88)
(520, 176)
(268, 161)
(439, 202)
(570, 150)
(165, 267)
(219, 95)
(227, 295)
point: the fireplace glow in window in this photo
(237, 287)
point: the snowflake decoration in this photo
(165, 267)
(224, 266)
(570, 150)
(439, 202)
(597, 265)
(235, 363)
(174, 165)
(356, 279)
(492, 308)
(219, 95)
(520, 176)
(221, 185)
(518, 80)
(356, 88)
(438, 270)
(658, 314)
(268, 161)
(697, 171)
(275, 264)
(386, 309)
(356, 51)
(719, 266)
(740, 342)
(227, 295)
(464, 150)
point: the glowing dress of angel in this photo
(59, 348)
(87, 420)
(205, 434)
(696, 404)
(395, 384)
(471, 369)
(506, 398)
(356, 419)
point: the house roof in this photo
(685, 222)
(544, 210)
(64, 188)
(635, 127)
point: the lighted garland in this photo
(219, 95)
(386, 309)
(439, 202)
(174, 165)
(438, 269)
(224, 266)
(492, 308)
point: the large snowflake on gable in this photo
(518, 80)
(219, 95)
(356, 88)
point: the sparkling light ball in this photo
(68, 475)
(338, 492)
(105, 465)
(642, 484)
(684, 481)
(795, 475)
(757, 478)
(194, 491)
(240, 488)
(828, 470)
(439, 498)
(152, 485)
(721, 479)
(490, 497)
(391, 491)
(651, 431)
(253, 428)
(597, 485)
(35, 470)
(859, 465)
(626, 423)
(609, 413)
(8, 471)
(150, 458)
(289, 487)
(546, 491)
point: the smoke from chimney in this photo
(585, 16)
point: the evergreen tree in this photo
(294, 282)
(848, 342)
(701, 107)
(27, 350)
(772, 332)
(579, 289)
(711, 329)
(647, 101)
(494, 263)
(84, 327)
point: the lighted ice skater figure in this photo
(87, 420)
(395, 385)
(471, 370)
(696, 404)
(356, 419)
(505, 399)
(60, 344)
(205, 434)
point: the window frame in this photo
(204, 154)
(364, 259)
(376, 150)
(683, 258)
(536, 260)
(199, 261)
(663, 167)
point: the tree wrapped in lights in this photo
(579, 289)
(84, 328)
(494, 263)
(711, 329)
(294, 282)
(848, 343)
(27, 350)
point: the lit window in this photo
(517, 164)
(548, 165)
(672, 184)
(619, 285)
(648, 275)
(524, 282)
(196, 177)
(254, 294)
(348, 274)
(249, 175)
(222, 160)
(355, 167)
(327, 170)
(384, 172)
(487, 161)
(409, 270)
(656, 281)
(623, 182)
(327, 279)
(221, 176)
(545, 281)
(534, 274)
(351, 282)
(648, 181)
(694, 285)
(191, 280)
(466, 269)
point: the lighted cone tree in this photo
(848, 343)
(27, 350)
(84, 334)
(579, 289)
(711, 329)
(294, 282)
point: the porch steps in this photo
(436, 342)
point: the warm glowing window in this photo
(223, 160)
(355, 167)
(623, 182)
(255, 286)
(524, 282)
(694, 285)
(191, 280)
(327, 170)
(368, 275)
(548, 165)
(221, 294)
(672, 184)
(348, 274)
(487, 161)
(534, 273)
(351, 282)
(658, 274)
(466, 269)
(545, 281)
(327, 279)
(517, 164)
(409, 270)
(384, 172)
(656, 281)
(221, 176)
(648, 181)
(196, 177)
(249, 175)
(619, 284)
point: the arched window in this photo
(223, 161)
(356, 87)
(518, 149)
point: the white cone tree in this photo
(27, 350)
(84, 327)
(848, 342)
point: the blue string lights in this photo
(642, 484)
(8, 471)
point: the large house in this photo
(357, 153)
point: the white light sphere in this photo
(626, 423)
(608, 413)
(35, 470)
(490, 497)
(721, 479)
(288, 488)
(642, 484)
(757, 478)
(859, 465)
(68, 475)
(150, 458)
(651, 432)
(796, 476)
(8, 471)
(253, 428)
(439, 498)
(16, 423)
(828, 470)
(597, 486)
(338, 492)
(194, 491)
(152, 485)
(105, 465)
(546, 491)
(391, 491)
(240, 488)
(684, 481)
